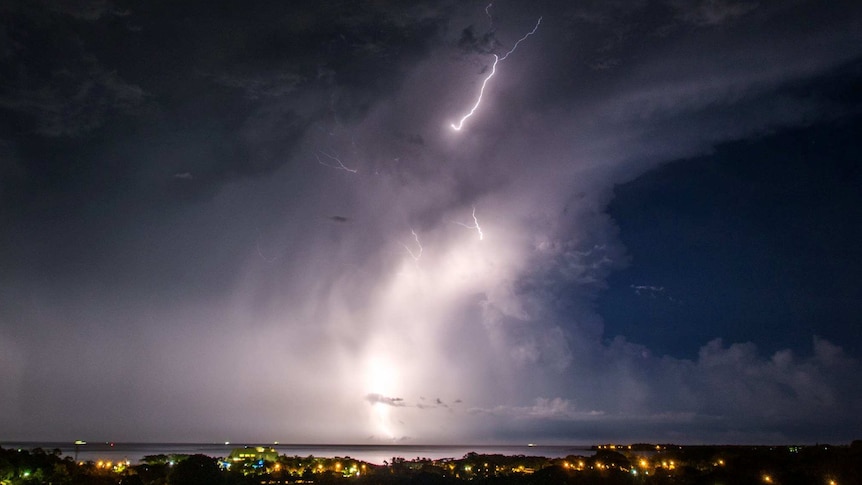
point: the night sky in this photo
(254, 221)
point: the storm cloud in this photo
(256, 223)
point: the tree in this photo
(195, 470)
(131, 480)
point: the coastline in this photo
(371, 453)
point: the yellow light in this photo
(767, 479)
(643, 463)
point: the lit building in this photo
(253, 453)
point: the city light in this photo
(252, 462)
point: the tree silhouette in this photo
(195, 470)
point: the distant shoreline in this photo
(372, 453)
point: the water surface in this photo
(376, 454)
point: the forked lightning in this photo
(460, 124)
(417, 254)
(475, 225)
(335, 159)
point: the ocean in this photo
(376, 454)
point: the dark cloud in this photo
(484, 43)
(69, 92)
(712, 12)
(89, 10)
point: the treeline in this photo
(690, 465)
(39, 466)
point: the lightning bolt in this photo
(460, 124)
(417, 254)
(490, 19)
(522, 39)
(479, 99)
(475, 225)
(334, 158)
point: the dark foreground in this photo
(636, 464)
